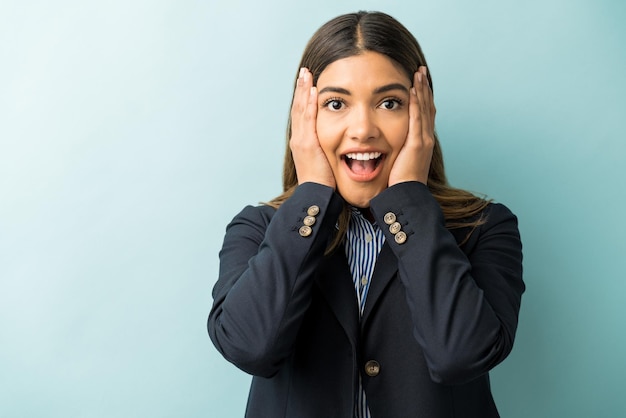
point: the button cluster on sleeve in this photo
(309, 220)
(395, 227)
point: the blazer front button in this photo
(372, 368)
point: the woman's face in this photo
(362, 122)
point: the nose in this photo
(362, 124)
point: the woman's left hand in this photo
(413, 161)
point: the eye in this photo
(391, 104)
(333, 104)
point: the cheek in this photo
(396, 134)
(327, 136)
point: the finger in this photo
(311, 112)
(299, 95)
(309, 97)
(416, 111)
(308, 93)
(415, 126)
(304, 113)
(429, 104)
(426, 106)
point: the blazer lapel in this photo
(385, 269)
(335, 282)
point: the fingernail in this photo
(301, 72)
(413, 92)
(425, 71)
(312, 92)
(419, 76)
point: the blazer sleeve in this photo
(266, 272)
(464, 307)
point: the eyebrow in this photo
(378, 90)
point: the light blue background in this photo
(131, 132)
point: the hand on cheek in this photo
(413, 160)
(309, 158)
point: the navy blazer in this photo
(438, 316)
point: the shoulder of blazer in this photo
(258, 216)
(494, 214)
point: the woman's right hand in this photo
(309, 158)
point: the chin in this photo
(360, 201)
(359, 194)
(361, 204)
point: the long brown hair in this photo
(352, 34)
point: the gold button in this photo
(309, 220)
(395, 227)
(363, 280)
(313, 210)
(372, 368)
(368, 237)
(400, 237)
(389, 218)
(305, 231)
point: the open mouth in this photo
(363, 163)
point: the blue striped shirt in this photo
(363, 243)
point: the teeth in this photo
(363, 156)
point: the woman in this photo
(370, 287)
